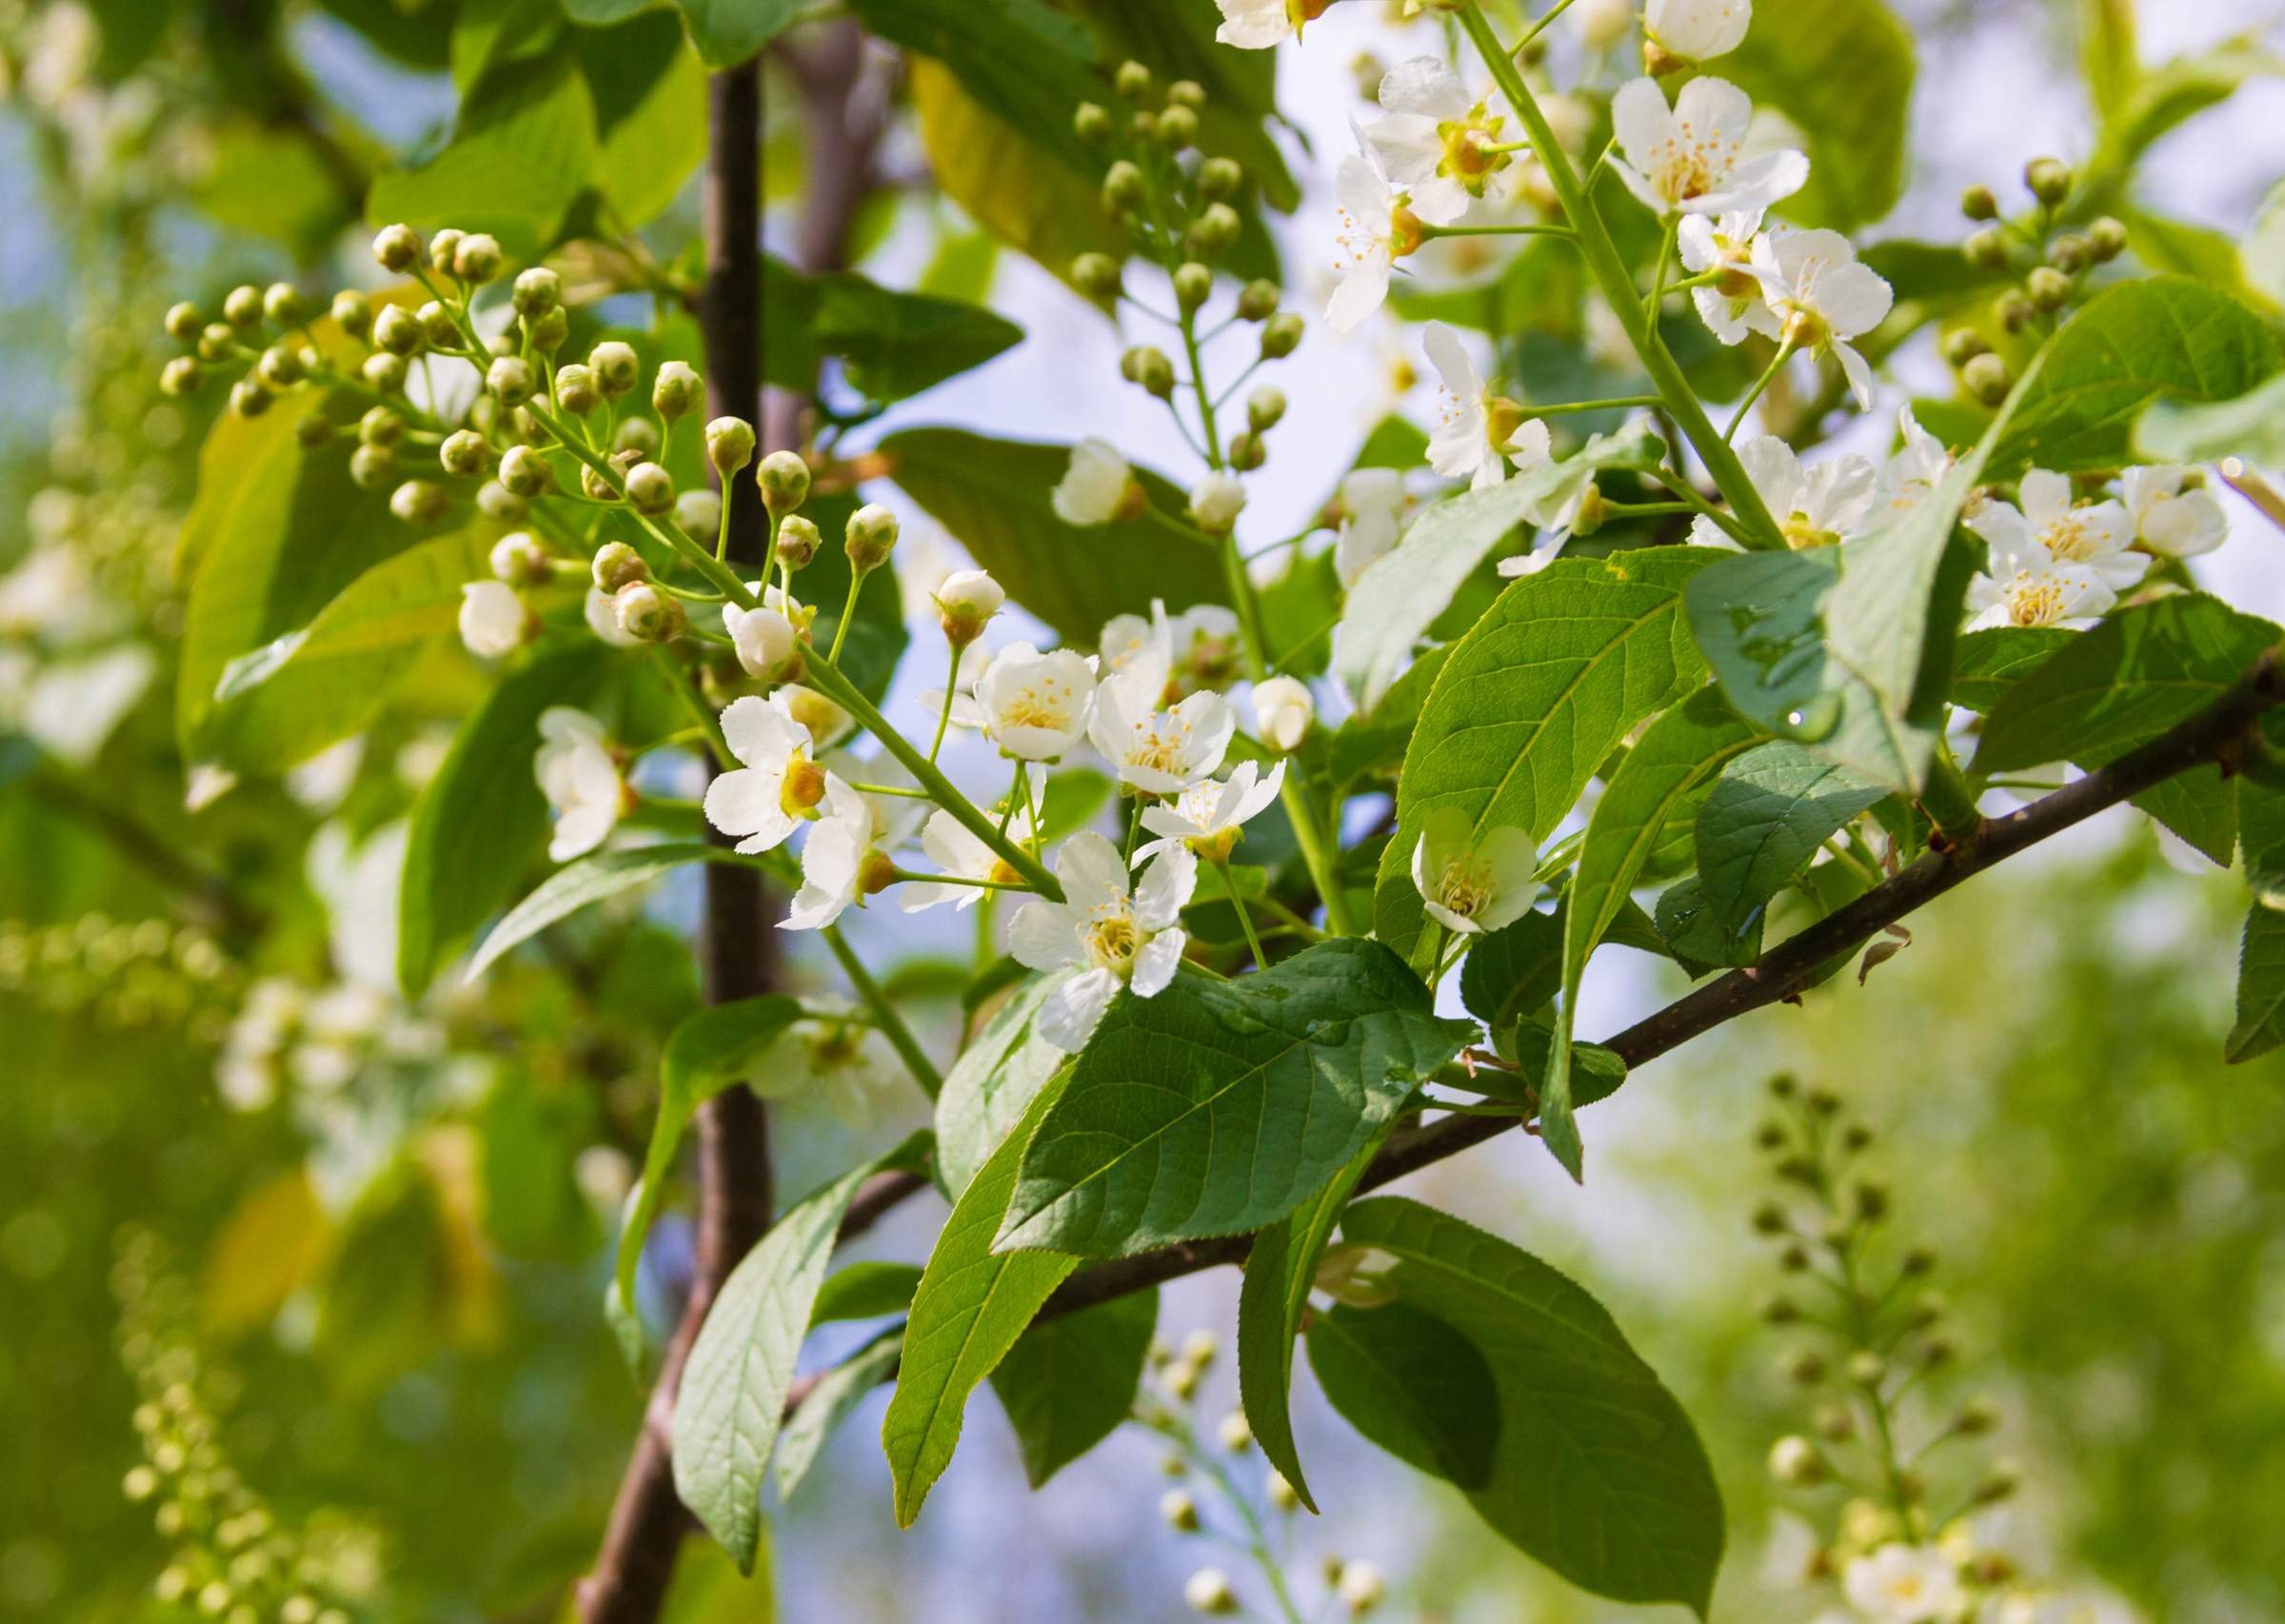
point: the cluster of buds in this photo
(2047, 268)
(1881, 1339)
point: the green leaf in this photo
(2251, 425)
(2128, 349)
(1512, 972)
(725, 31)
(2166, 98)
(2106, 52)
(1688, 746)
(994, 496)
(1401, 592)
(477, 825)
(1989, 663)
(522, 152)
(866, 1291)
(2261, 836)
(581, 884)
(993, 1083)
(1023, 60)
(275, 183)
(1841, 71)
(1272, 1303)
(1413, 1385)
(283, 702)
(732, 1397)
(1597, 1471)
(1771, 810)
(1219, 1106)
(1068, 1382)
(707, 1052)
(1371, 743)
(651, 113)
(1533, 701)
(971, 1307)
(2260, 987)
(892, 345)
(829, 1403)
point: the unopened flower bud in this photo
(1778, 1309)
(1917, 1261)
(1796, 1463)
(283, 305)
(1178, 129)
(2106, 238)
(1221, 179)
(1248, 452)
(1133, 81)
(1806, 1368)
(1976, 1417)
(2050, 288)
(2071, 253)
(518, 559)
(785, 481)
(598, 487)
(537, 290)
(1265, 408)
(1281, 335)
(396, 330)
(698, 514)
(218, 340)
(1200, 1347)
(1092, 122)
(465, 452)
(649, 614)
(575, 389)
(2014, 311)
(769, 646)
(510, 379)
(477, 257)
(1282, 1494)
(2049, 180)
(1149, 367)
(397, 247)
(1997, 1483)
(524, 472)
(1209, 1590)
(1179, 1511)
(501, 505)
(353, 312)
(1236, 1435)
(1124, 187)
(1285, 710)
(1770, 1219)
(418, 502)
(1187, 94)
(242, 306)
(798, 542)
(616, 367)
(1360, 1588)
(1835, 1423)
(1986, 249)
(438, 328)
(617, 564)
(1964, 345)
(549, 329)
(1258, 300)
(1097, 275)
(181, 376)
(1213, 232)
(184, 321)
(649, 488)
(1193, 285)
(1215, 503)
(442, 248)
(1978, 204)
(870, 538)
(729, 445)
(373, 467)
(250, 399)
(314, 431)
(1987, 379)
(676, 392)
(1865, 1368)
(965, 603)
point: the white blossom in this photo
(2170, 520)
(1822, 297)
(1731, 307)
(1140, 646)
(1376, 229)
(1697, 29)
(1372, 504)
(2098, 536)
(493, 621)
(1904, 1584)
(775, 788)
(768, 638)
(832, 858)
(1115, 939)
(1602, 23)
(580, 777)
(958, 850)
(1819, 505)
(1690, 157)
(2027, 588)
(1917, 466)
(1259, 24)
(1158, 752)
(1471, 884)
(845, 1065)
(1216, 500)
(1283, 711)
(1476, 433)
(1360, 1588)
(601, 611)
(824, 721)
(1434, 141)
(1097, 487)
(1207, 816)
(969, 598)
(1036, 706)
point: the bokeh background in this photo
(394, 1279)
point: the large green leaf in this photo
(1512, 972)
(283, 702)
(866, 1291)
(1988, 662)
(725, 31)
(1686, 747)
(522, 152)
(837, 1393)
(1841, 71)
(1023, 60)
(994, 1082)
(1413, 1385)
(1597, 1473)
(581, 884)
(972, 1306)
(1771, 810)
(1219, 1106)
(2131, 346)
(994, 496)
(2250, 425)
(478, 824)
(1069, 1382)
(1401, 592)
(1533, 701)
(891, 345)
(2260, 987)
(651, 113)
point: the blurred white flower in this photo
(1158, 752)
(1904, 1584)
(832, 858)
(957, 850)
(1602, 23)
(1689, 157)
(1206, 645)
(601, 611)
(1814, 506)
(1284, 712)
(2170, 520)
(1371, 517)
(1697, 29)
(1118, 939)
(1208, 815)
(1917, 466)
(1097, 487)
(1731, 307)
(1215, 503)
(1822, 297)
(1471, 884)
(1035, 707)
(2099, 536)
(580, 777)
(493, 621)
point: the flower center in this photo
(803, 788)
(1111, 939)
(2034, 601)
(1694, 165)
(2069, 540)
(1303, 12)
(1468, 142)
(1049, 707)
(1801, 532)
(1405, 231)
(1465, 886)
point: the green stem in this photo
(1541, 25)
(1430, 233)
(1245, 917)
(885, 1014)
(1617, 402)
(1618, 285)
(848, 614)
(1768, 376)
(943, 716)
(898, 790)
(914, 877)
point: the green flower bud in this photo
(1150, 369)
(314, 431)
(637, 434)
(549, 329)
(524, 472)
(1281, 335)
(649, 614)
(2071, 253)
(1098, 276)
(182, 376)
(417, 501)
(2050, 288)
(1986, 250)
(510, 379)
(465, 452)
(442, 248)
(1133, 81)
(537, 290)
(676, 392)
(250, 399)
(1187, 94)
(1865, 1368)
(1248, 452)
(501, 505)
(784, 482)
(1977, 202)
(353, 312)
(1265, 408)
(599, 488)
(617, 565)
(1964, 345)
(2106, 238)
(396, 330)
(373, 467)
(183, 322)
(698, 514)
(1213, 232)
(1258, 300)
(283, 303)
(1144, 126)
(1977, 1417)
(1092, 122)
(1220, 179)
(575, 390)
(1997, 1483)
(616, 368)
(1193, 285)
(2049, 180)
(1124, 187)
(477, 257)
(397, 247)
(380, 426)
(437, 325)
(870, 538)
(729, 445)
(520, 560)
(1838, 1422)
(280, 368)
(242, 308)
(505, 343)
(1178, 129)
(798, 542)
(649, 488)
(218, 340)
(2014, 311)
